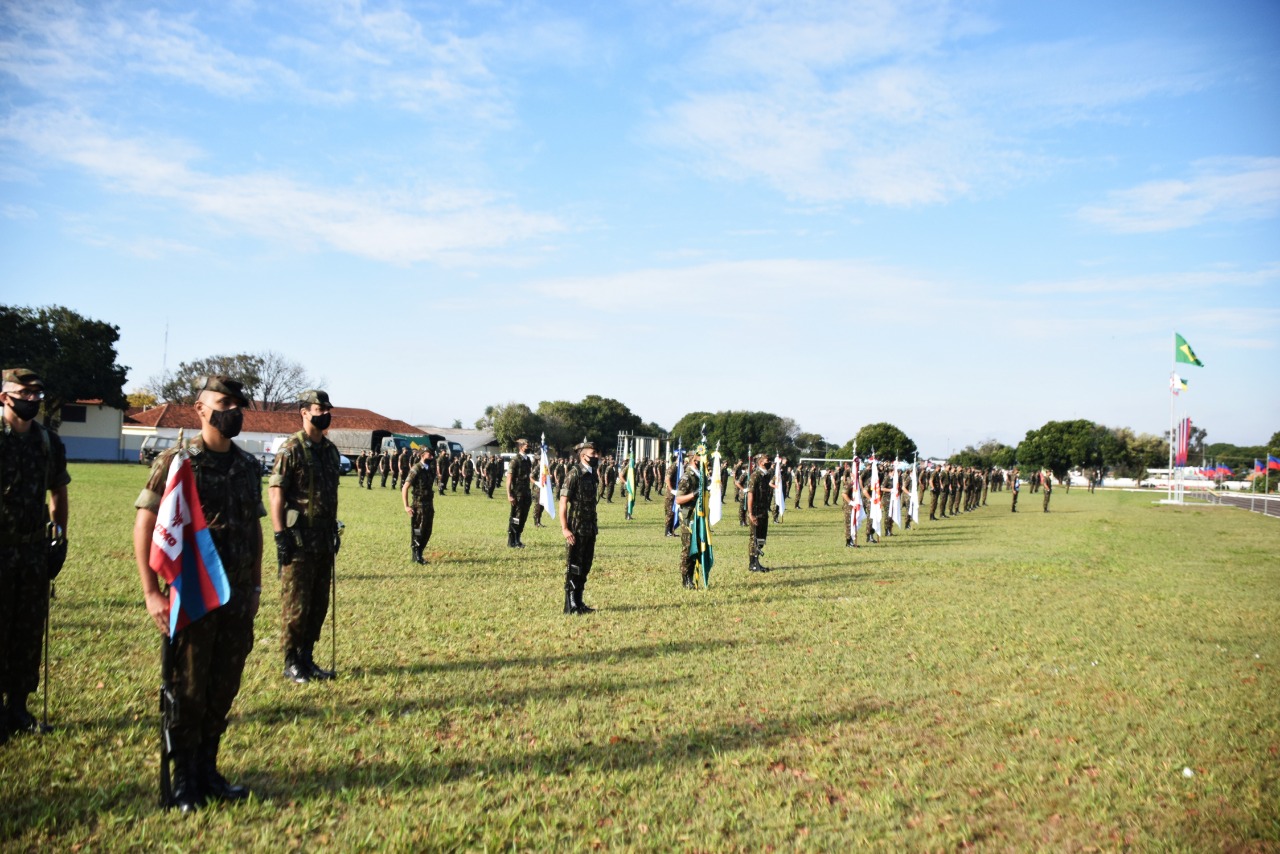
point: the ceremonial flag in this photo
(717, 493)
(913, 508)
(700, 530)
(629, 481)
(895, 499)
(1183, 442)
(182, 550)
(877, 522)
(1183, 353)
(1177, 383)
(859, 511)
(546, 495)
(1258, 468)
(778, 497)
(1224, 469)
(1273, 463)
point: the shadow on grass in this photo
(692, 746)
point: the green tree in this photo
(141, 398)
(736, 431)
(1063, 445)
(886, 441)
(270, 380)
(73, 354)
(987, 455)
(515, 421)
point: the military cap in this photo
(584, 444)
(314, 395)
(23, 376)
(224, 385)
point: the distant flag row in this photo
(1273, 464)
(1182, 441)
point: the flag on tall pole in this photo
(1273, 463)
(877, 521)
(913, 508)
(895, 499)
(1176, 383)
(717, 493)
(629, 479)
(700, 527)
(1183, 353)
(778, 496)
(857, 512)
(546, 495)
(182, 549)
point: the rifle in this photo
(333, 598)
(168, 717)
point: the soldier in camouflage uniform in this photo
(418, 496)
(1046, 484)
(495, 475)
(849, 492)
(519, 493)
(372, 466)
(578, 496)
(668, 503)
(304, 515)
(442, 471)
(209, 654)
(741, 477)
(686, 496)
(33, 465)
(759, 492)
(468, 473)
(384, 465)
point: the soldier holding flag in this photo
(208, 655)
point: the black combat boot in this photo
(294, 668)
(187, 794)
(214, 786)
(569, 606)
(580, 586)
(19, 720)
(315, 670)
(686, 578)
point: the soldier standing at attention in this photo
(1046, 483)
(420, 483)
(372, 465)
(384, 465)
(686, 496)
(850, 495)
(1017, 484)
(759, 492)
(33, 464)
(209, 654)
(578, 497)
(360, 461)
(519, 494)
(468, 473)
(740, 480)
(303, 492)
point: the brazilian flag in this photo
(1183, 353)
(629, 484)
(700, 541)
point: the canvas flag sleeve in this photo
(546, 495)
(877, 518)
(182, 550)
(629, 484)
(895, 499)
(777, 486)
(1183, 353)
(913, 509)
(717, 497)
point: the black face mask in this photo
(321, 422)
(24, 409)
(227, 421)
(594, 462)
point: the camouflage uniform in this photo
(209, 654)
(669, 501)
(307, 473)
(519, 489)
(32, 464)
(468, 473)
(687, 485)
(850, 534)
(581, 488)
(1046, 484)
(759, 493)
(420, 481)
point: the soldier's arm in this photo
(156, 602)
(404, 497)
(564, 517)
(275, 496)
(58, 507)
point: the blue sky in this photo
(963, 218)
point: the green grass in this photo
(1020, 682)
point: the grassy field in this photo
(1028, 681)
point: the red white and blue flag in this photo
(182, 550)
(1273, 462)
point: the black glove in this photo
(337, 537)
(57, 557)
(286, 548)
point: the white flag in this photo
(546, 495)
(877, 520)
(895, 499)
(913, 508)
(717, 498)
(777, 486)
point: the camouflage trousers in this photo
(304, 597)
(420, 523)
(669, 508)
(759, 533)
(688, 562)
(849, 533)
(208, 660)
(519, 513)
(579, 556)
(24, 602)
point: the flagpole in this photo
(1172, 438)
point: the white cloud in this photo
(402, 228)
(892, 103)
(1228, 189)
